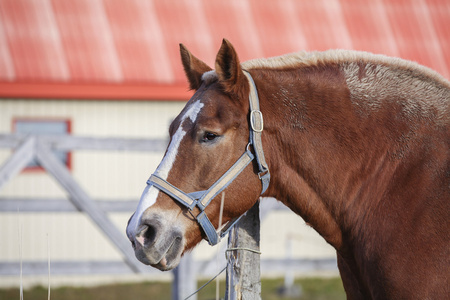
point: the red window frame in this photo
(68, 122)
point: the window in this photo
(44, 126)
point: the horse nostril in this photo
(146, 235)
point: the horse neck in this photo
(318, 155)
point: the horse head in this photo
(209, 147)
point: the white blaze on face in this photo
(150, 193)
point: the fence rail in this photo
(68, 142)
(11, 204)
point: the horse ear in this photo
(229, 71)
(193, 67)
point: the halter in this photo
(201, 199)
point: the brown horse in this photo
(356, 144)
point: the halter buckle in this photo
(256, 121)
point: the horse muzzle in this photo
(157, 245)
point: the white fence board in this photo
(62, 205)
(68, 142)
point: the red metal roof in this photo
(115, 49)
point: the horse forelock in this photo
(209, 77)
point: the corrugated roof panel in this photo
(199, 37)
(337, 25)
(407, 21)
(440, 17)
(7, 72)
(179, 25)
(139, 40)
(278, 27)
(33, 40)
(233, 20)
(87, 40)
(368, 25)
(317, 25)
(431, 39)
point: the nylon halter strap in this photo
(201, 199)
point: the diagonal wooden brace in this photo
(24, 153)
(84, 203)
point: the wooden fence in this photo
(42, 147)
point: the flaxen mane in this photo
(316, 58)
(365, 73)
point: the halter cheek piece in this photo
(201, 199)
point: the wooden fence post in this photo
(243, 269)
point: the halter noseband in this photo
(201, 199)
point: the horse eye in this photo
(209, 136)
